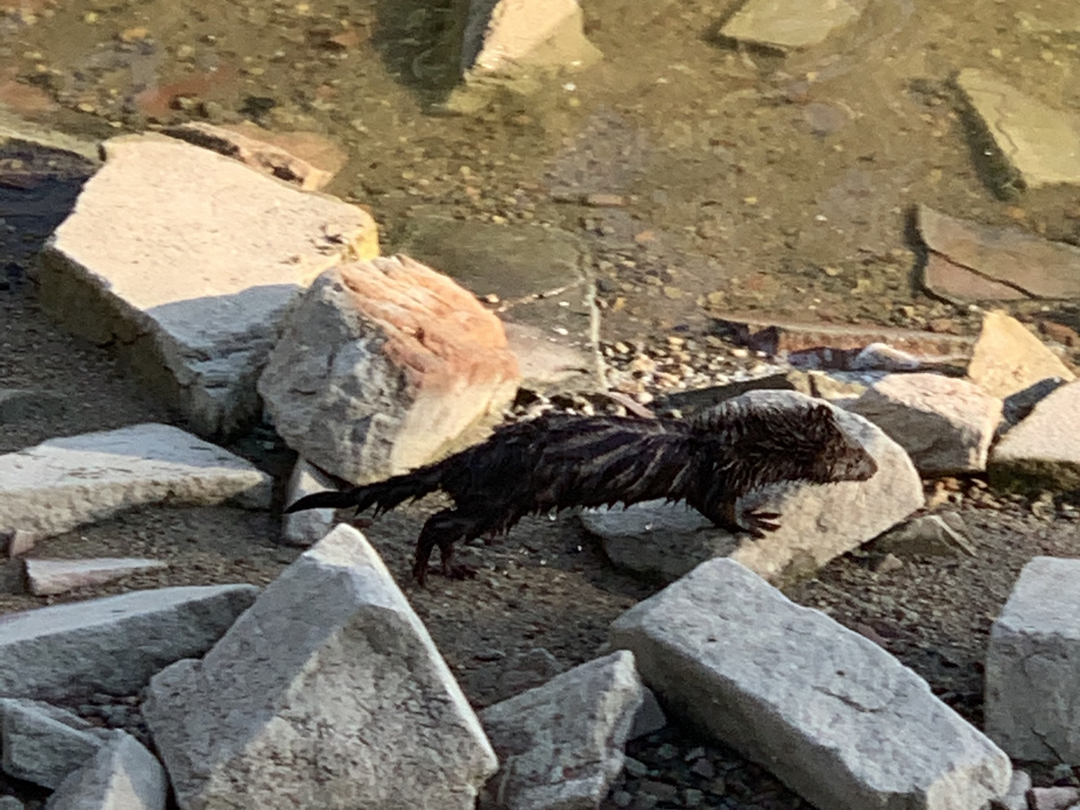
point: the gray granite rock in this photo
(1033, 665)
(1043, 451)
(63, 483)
(663, 541)
(327, 693)
(830, 713)
(945, 425)
(122, 775)
(186, 261)
(383, 366)
(312, 525)
(114, 644)
(44, 744)
(561, 744)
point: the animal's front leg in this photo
(754, 522)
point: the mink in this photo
(559, 461)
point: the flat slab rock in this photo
(1033, 665)
(383, 366)
(64, 483)
(830, 713)
(1043, 451)
(945, 425)
(561, 744)
(327, 693)
(115, 644)
(187, 261)
(48, 577)
(1041, 142)
(662, 541)
(787, 24)
(122, 775)
(983, 262)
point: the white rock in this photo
(328, 693)
(43, 744)
(1033, 665)
(187, 261)
(561, 744)
(384, 364)
(1015, 798)
(945, 424)
(508, 36)
(114, 644)
(63, 483)
(48, 577)
(312, 525)
(123, 775)
(664, 541)
(830, 713)
(1043, 451)
(1008, 358)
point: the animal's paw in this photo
(459, 571)
(758, 523)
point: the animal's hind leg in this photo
(443, 529)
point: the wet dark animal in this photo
(558, 461)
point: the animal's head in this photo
(772, 439)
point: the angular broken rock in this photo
(123, 775)
(513, 35)
(115, 644)
(312, 525)
(945, 425)
(328, 692)
(663, 541)
(63, 483)
(186, 262)
(1043, 451)
(383, 365)
(830, 713)
(1040, 142)
(47, 577)
(43, 744)
(1008, 358)
(560, 745)
(1033, 665)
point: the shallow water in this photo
(745, 179)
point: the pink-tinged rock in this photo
(47, 577)
(382, 366)
(186, 262)
(777, 336)
(1008, 358)
(305, 159)
(1053, 798)
(970, 261)
(945, 425)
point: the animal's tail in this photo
(384, 495)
